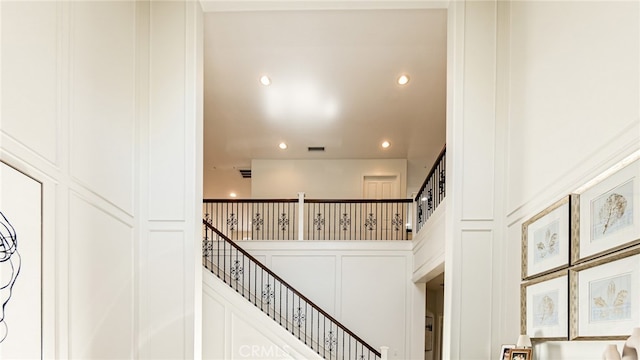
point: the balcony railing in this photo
(432, 191)
(300, 219)
(280, 301)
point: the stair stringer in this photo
(233, 328)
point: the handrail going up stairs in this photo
(279, 300)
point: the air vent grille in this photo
(246, 174)
(315, 148)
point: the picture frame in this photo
(609, 213)
(546, 239)
(504, 351)
(544, 307)
(21, 307)
(605, 297)
(520, 354)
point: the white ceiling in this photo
(334, 84)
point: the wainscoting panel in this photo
(167, 103)
(162, 309)
(103, 99)
(100, 283)
(30, 75)
(313, 276)
(475, 298)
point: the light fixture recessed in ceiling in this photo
(403, 79)
(385, 144)
(265, 80)
(282, 146)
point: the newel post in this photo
(384, 352)
(301, 216)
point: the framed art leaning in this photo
(609, 214)
(546, 239)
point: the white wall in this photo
(574, 111)
(99, 103)
(236, 329)
(320, 179)
(364, 284)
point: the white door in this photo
(381, 187)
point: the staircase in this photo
(280, 301)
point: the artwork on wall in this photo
(20, 265)
(606, 297)
(544, 307)
(609, 215)
(546, 239)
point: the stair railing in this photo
(432, 191)
(279, 300)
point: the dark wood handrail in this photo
(264, 268)
(207, 201)
(433, 169)
(328, 201)
(356, 201)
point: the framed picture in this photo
(504, 351)
(544, 307)
(520, 354)
(609, 215)
(20, 265)
(605, 300)
(546, 239)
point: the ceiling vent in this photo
(315, 148)
(246, 174)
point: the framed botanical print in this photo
(546, 239)
(609, 215)
(544, 307)
(606, 297)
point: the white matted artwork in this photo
(545, 307)
(20, 265)
(546, 239)
(607, 302)
(609, 214)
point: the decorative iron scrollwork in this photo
(371, 222)
(257, 222)
(283, 222)
(207, 246)
(441, 183)
(236, 270)
(267, 294)
(330, 341)
(345, 222)
(232, 221)
(397, 222)
(299, 317)
(318, 222)
(429, 200)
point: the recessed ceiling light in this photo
(403, 79)
(265, 80)
(233, 194)
(282, 146)
(385, 144)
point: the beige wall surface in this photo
(320, 179)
